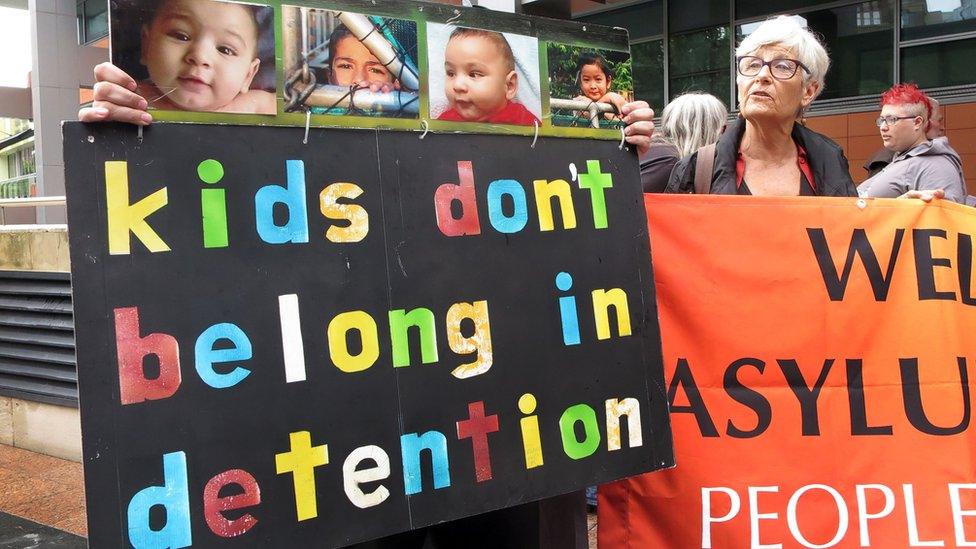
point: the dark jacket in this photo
(826, 158)
(656, 167)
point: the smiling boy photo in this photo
(200, 55)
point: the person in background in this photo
(688, 123)
(781, 68)
(883, 157)
(919, 164)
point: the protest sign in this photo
(818, 355)
(300, 345)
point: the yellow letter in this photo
(531, 443)
(479, 342)
(339, 351)
(301, 462)
(123, 217)
(602, 301)
(544, 191)
(332, 209)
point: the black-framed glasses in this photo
(891, 120)
(781, 68)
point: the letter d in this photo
(174, 495)
(463, 192)
(295, 230)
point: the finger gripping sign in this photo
(296, 346)
(819, 359)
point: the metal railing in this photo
(21, 186)
(28, 202)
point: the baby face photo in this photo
(197, 55)
(587, 87)
(344, 63)
(483, 76)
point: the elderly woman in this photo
(780, 71)
(689, 122)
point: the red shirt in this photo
(513, 113)
(807, 185)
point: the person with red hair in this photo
(920, 166)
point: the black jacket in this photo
(826, 158)
(655, 169)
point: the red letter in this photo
(213, 504)
(477, 428)
(447, 193)
(133, 385)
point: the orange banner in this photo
(818, 355)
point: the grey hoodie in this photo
(929, 165)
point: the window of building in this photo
(859, 38)
(92, 20)
(687, 15)
(747, 9)
(700, 61)
(932, 18)
(937, 65)
(647, 59)
(642, 20)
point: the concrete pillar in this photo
(54, 93)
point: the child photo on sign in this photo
(197, 55)
(587, 87)
(477, 76)
(344, 63)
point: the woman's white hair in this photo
(785, 31)
(693, 120)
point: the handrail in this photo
(27, 176)
(31, 202)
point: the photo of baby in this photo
(197, 55)
(587, 87)
(344, 63)
(477, 76)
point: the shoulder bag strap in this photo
(703, 169)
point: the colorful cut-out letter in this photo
(124, 217)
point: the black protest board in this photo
(279, 344)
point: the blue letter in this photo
(410, 447)
(293, 197)
(567, 310)
(174, 496)
(207, 355)
(499, 220)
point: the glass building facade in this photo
(686, 45)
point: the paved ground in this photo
(42, 501)
(19, 533)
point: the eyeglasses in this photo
(891, 120)
(781, 68)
